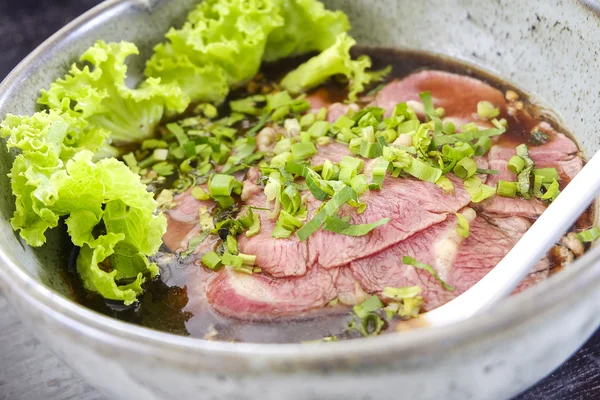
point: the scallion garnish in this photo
(462, 227)
(516, 164)
(465, 168)
(413, 262)
(506, 189)
(338, 225)
(589, 235)
(329, 209)
(211, 260)
(487, 110)
(422, 171)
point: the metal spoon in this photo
(537, 241)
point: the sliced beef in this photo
(277, 257)
(322, 98)
(506, 206)
(259, 297)
(457, 94)
(333, 152)
(459, 262)
(182, 220)
(411, 205)
(559, 152)
(349, 290)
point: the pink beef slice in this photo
(182, 220)
(277, 257)
(259, 297)
(457, 94)
(459, 262)
(559, 152)
(321, 98)
(411, 205)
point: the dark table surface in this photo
(23, 25)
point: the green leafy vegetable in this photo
(333, 61)
(524, 177)
(103, 104)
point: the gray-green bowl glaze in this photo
(550, 50)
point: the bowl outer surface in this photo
(549, 50)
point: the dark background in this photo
(26, 23)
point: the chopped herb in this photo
(538, 138)
(337, 225)
(589, 235)
(462, 227)
(411, 261)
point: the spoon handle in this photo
(534, 244)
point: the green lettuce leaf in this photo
(220, 45)
(307, 27)
(100, 97)
(335, 60)
(109, 212)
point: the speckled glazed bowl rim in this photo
(579, 280)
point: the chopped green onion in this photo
(344, 122)
(524, 177)
(465, 168)
(516, 164)
(286, 224)
(552, 191)
(199, 194)
(445, 183)
(589, 235)
(307, 120)
(231, 244)
(483, 145)
(337, 225)
(347, 174)
(251, 222)
(507, 189)
(259, 125)
(330, 208)
(359, 184)
(411, 261)
(422, 171)
(322, 114)
(352, 163)
(408, 126)
(248, 105)
(370, 150)
(487, 110)
(487, 171)
(302, 151)
(378, 174)
(329, 170)
(466, 136)
(401, 293)
(462, 228)
(211, 260)
(548, 174)
(477, 190)
(291, 199)
(538, 138)
(368, 306)
(430, 111)
(131, 162)
(449, 128)
(193, 243)
(538, 181)
(221, 185)
(318, 129)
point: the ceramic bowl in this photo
(551, 50)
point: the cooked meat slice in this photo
(259, 297)
(183, 220)
(457, 94)
(411, 205)
(459, 262)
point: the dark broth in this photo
(175, 303)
